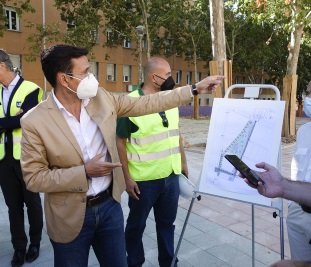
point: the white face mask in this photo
(87, 88)
(307, 106)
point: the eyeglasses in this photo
(72, 74)
(164, 119)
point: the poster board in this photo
(249, 129)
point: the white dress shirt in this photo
(91, 142)
(301, 162)
(7, 93)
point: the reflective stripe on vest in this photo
(153, 156)
(18, 99)
(153, 138)
(153, 150)
(17, 140)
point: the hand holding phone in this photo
(249, 174)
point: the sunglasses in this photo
(164, 119)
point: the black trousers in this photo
(15, 195)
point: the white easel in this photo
(251, 91)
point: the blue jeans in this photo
(161, 195)
(103, 229)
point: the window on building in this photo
(127, 43)
(70, 27)
(198, 76)
(108, 35)
(169, 46)
(13, 22)
(111, 72)
(94, 68)
(189, 54)
(127, 73)
(189, 77)
(178, 79)
(94, 36)
(17, 63)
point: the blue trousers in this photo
(103, 229)
(161, 195)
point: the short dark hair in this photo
(58, 58)
(5, 58)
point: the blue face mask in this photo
(307, 106)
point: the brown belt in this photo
(93, 201)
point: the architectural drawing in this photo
(239, 144)
(250, 129)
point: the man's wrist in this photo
(285, 188)
(87, 176)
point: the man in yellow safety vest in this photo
(17, 96)
(152, 156)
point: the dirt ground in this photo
(195, 132)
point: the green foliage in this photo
(304, 64)
(50, 33)
(21, 6)
(282, 15)
(171, 26)
(278, 18)
(255, 49)
(189, 30)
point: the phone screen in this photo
(251, 176)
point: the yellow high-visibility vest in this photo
(21, 93)
(153, 151)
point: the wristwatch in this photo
(194, 89)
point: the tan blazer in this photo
(52, 161)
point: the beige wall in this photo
(15, 43)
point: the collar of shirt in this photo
(60, 106)
(13, 83)
(8, 91)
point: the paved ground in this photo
(218, 233)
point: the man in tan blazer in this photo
(69, 153)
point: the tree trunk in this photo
(218, 35)
(290, 83)
(146, 25)
(294, 49)
(196, 98)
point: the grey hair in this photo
(5, 58)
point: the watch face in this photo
(194, 89)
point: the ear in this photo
(151, 77)
(62, 79)
(2, 65)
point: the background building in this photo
(116, 68)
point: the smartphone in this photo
(249, 174)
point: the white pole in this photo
(44, 46)
(140, 78)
